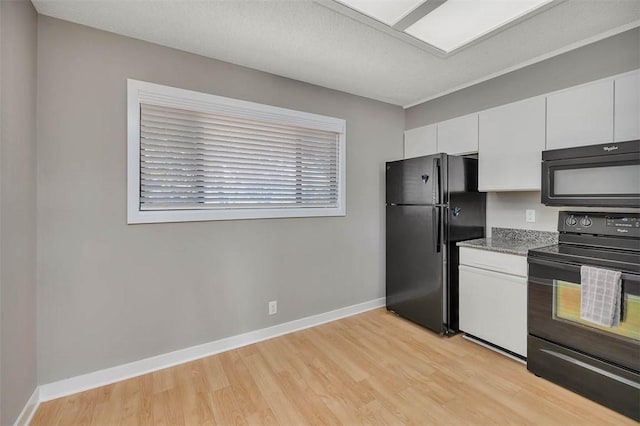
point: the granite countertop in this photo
(512, 241)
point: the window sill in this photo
(166, 216)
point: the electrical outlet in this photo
(530, 215)
(273, 307)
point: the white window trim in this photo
(143, 92)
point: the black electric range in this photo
(600, 363)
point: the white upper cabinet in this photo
(512, 138)
(581, 115)
(420, 141)
(627, 107)
(459, 135)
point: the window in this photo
(194, 156)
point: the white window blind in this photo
(194, 159)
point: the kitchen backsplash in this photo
(507, 210)
(525, 235)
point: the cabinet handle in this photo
(490, 267)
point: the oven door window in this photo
(566, 307)
(601, 180)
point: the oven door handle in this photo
(574, 267)
(593, 368)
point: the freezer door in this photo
(415, 181)
(415, 265)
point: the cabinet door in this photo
(493, 307)
(627, 107)
(458, 135)
(511, 141)
(580, 116)
(420, 141)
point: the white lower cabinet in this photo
(493, 306)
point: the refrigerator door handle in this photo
(437, 225)
(437, 193)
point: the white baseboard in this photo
(126, 371)
(29, 409)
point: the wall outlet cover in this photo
(273, 307)
(530, 215)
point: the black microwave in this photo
(606, 175)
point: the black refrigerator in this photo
(432, 202)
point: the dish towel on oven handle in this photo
(601, 294)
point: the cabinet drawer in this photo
(491, 260)
(493, 307)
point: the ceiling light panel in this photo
(459, 22)
(386, 11)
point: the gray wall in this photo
(604, 58)
(18, 34)
(111, 293)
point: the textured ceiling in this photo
(304, 40)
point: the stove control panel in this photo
(610, 224)
(623, 222)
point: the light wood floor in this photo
(372, 368)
